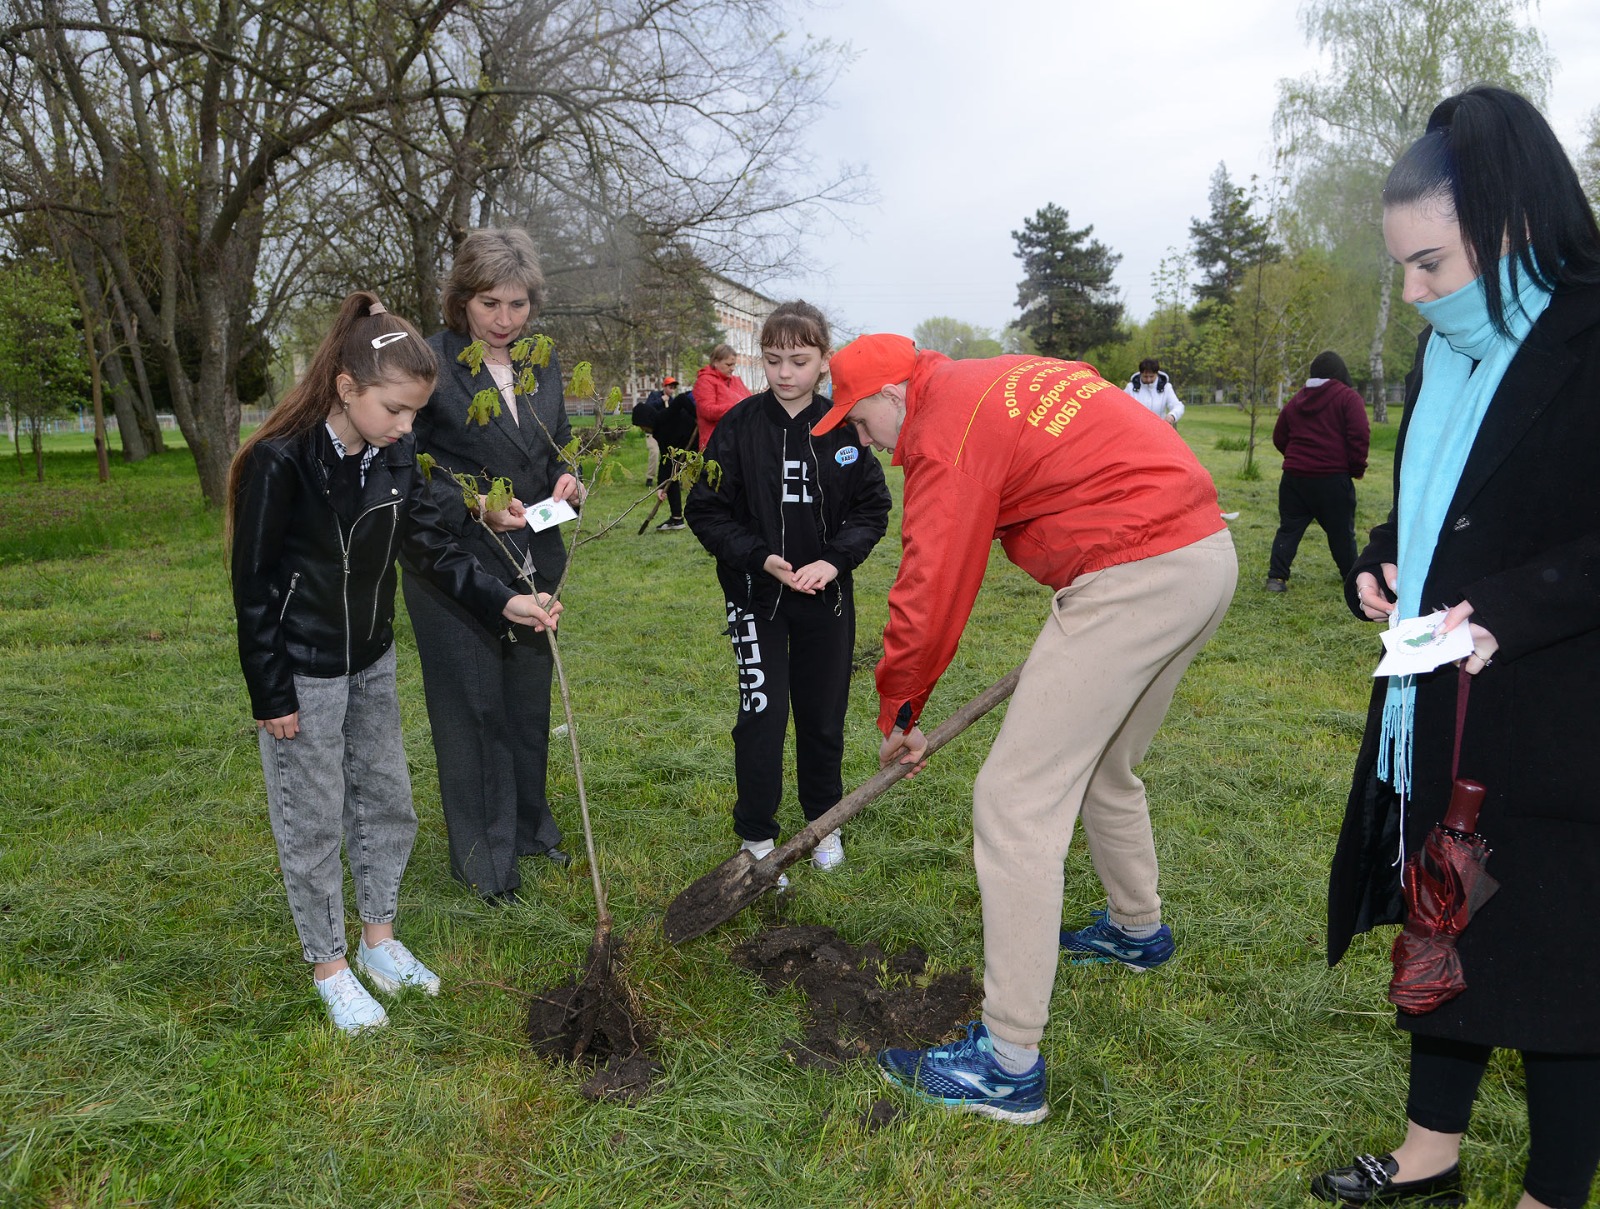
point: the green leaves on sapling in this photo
(533, 350)
(499, 496)
(583, 379)
(426, 463)
(484, 406)
(569, 456)
(472, 357)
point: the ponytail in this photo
(365, 342)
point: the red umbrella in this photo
(1444, 886)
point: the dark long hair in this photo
(352, 346)
(1492, 156)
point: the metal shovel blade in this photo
(719, 895)
(741, 879)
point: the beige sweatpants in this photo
(1092, 694)
(652, 457)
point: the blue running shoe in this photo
(965, 1075)
(1104, 941)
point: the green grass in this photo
(160, 1043)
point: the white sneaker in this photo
(392, 968)
(349, 1006)
(761, 850)
(829, 852)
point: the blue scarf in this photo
(1461, 370)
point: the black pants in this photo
(674, 499)
(1563, 1111)
(1330, 500)
(489, 707)
(800, 654)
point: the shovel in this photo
(741, 879)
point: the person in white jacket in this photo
(1153, 388)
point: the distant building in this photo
(740, 313)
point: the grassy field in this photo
(160, 1043)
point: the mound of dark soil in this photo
(881, 1114)
(592, 1019)
(858, 1000)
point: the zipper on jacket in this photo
(344, 591)
(288, 596)
(388, 550)
(783, 519)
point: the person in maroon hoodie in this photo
(1322, 434)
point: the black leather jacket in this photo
(316, 596)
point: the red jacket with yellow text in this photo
(1064, 468)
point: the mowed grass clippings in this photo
(160, 1042)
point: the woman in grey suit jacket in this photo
(489, 698)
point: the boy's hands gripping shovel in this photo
(740, 880)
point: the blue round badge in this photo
(847, 454)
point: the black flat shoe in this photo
(1370, 1181)
(558, 858)
(505, 898)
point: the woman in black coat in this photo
(489, 698)
(1499, 524)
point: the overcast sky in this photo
(971, 115)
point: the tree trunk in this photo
(1380, 405)
(144, 404)
(124, 405)
(93, 321)
(36, 436)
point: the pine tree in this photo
(1067, 301)
(1229, 242)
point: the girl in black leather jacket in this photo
(321, 500)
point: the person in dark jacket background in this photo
(1323, 435)
(676, 432)
(646, 416)
(790, 518)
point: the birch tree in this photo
(1389, 62)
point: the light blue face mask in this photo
(1462, 317)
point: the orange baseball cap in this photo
(862, 368)
(669, 382)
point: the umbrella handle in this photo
(1466, 800)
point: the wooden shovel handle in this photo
(802, 842)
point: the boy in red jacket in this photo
(1104, 503)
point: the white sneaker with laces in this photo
(392, 968)
(761, 850)
(349, 1006)
(829, 852)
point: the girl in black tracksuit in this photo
(791, 517)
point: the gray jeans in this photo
(345, 772)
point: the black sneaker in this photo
(1274, 584)
(1370, 1181)
(672, 523)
